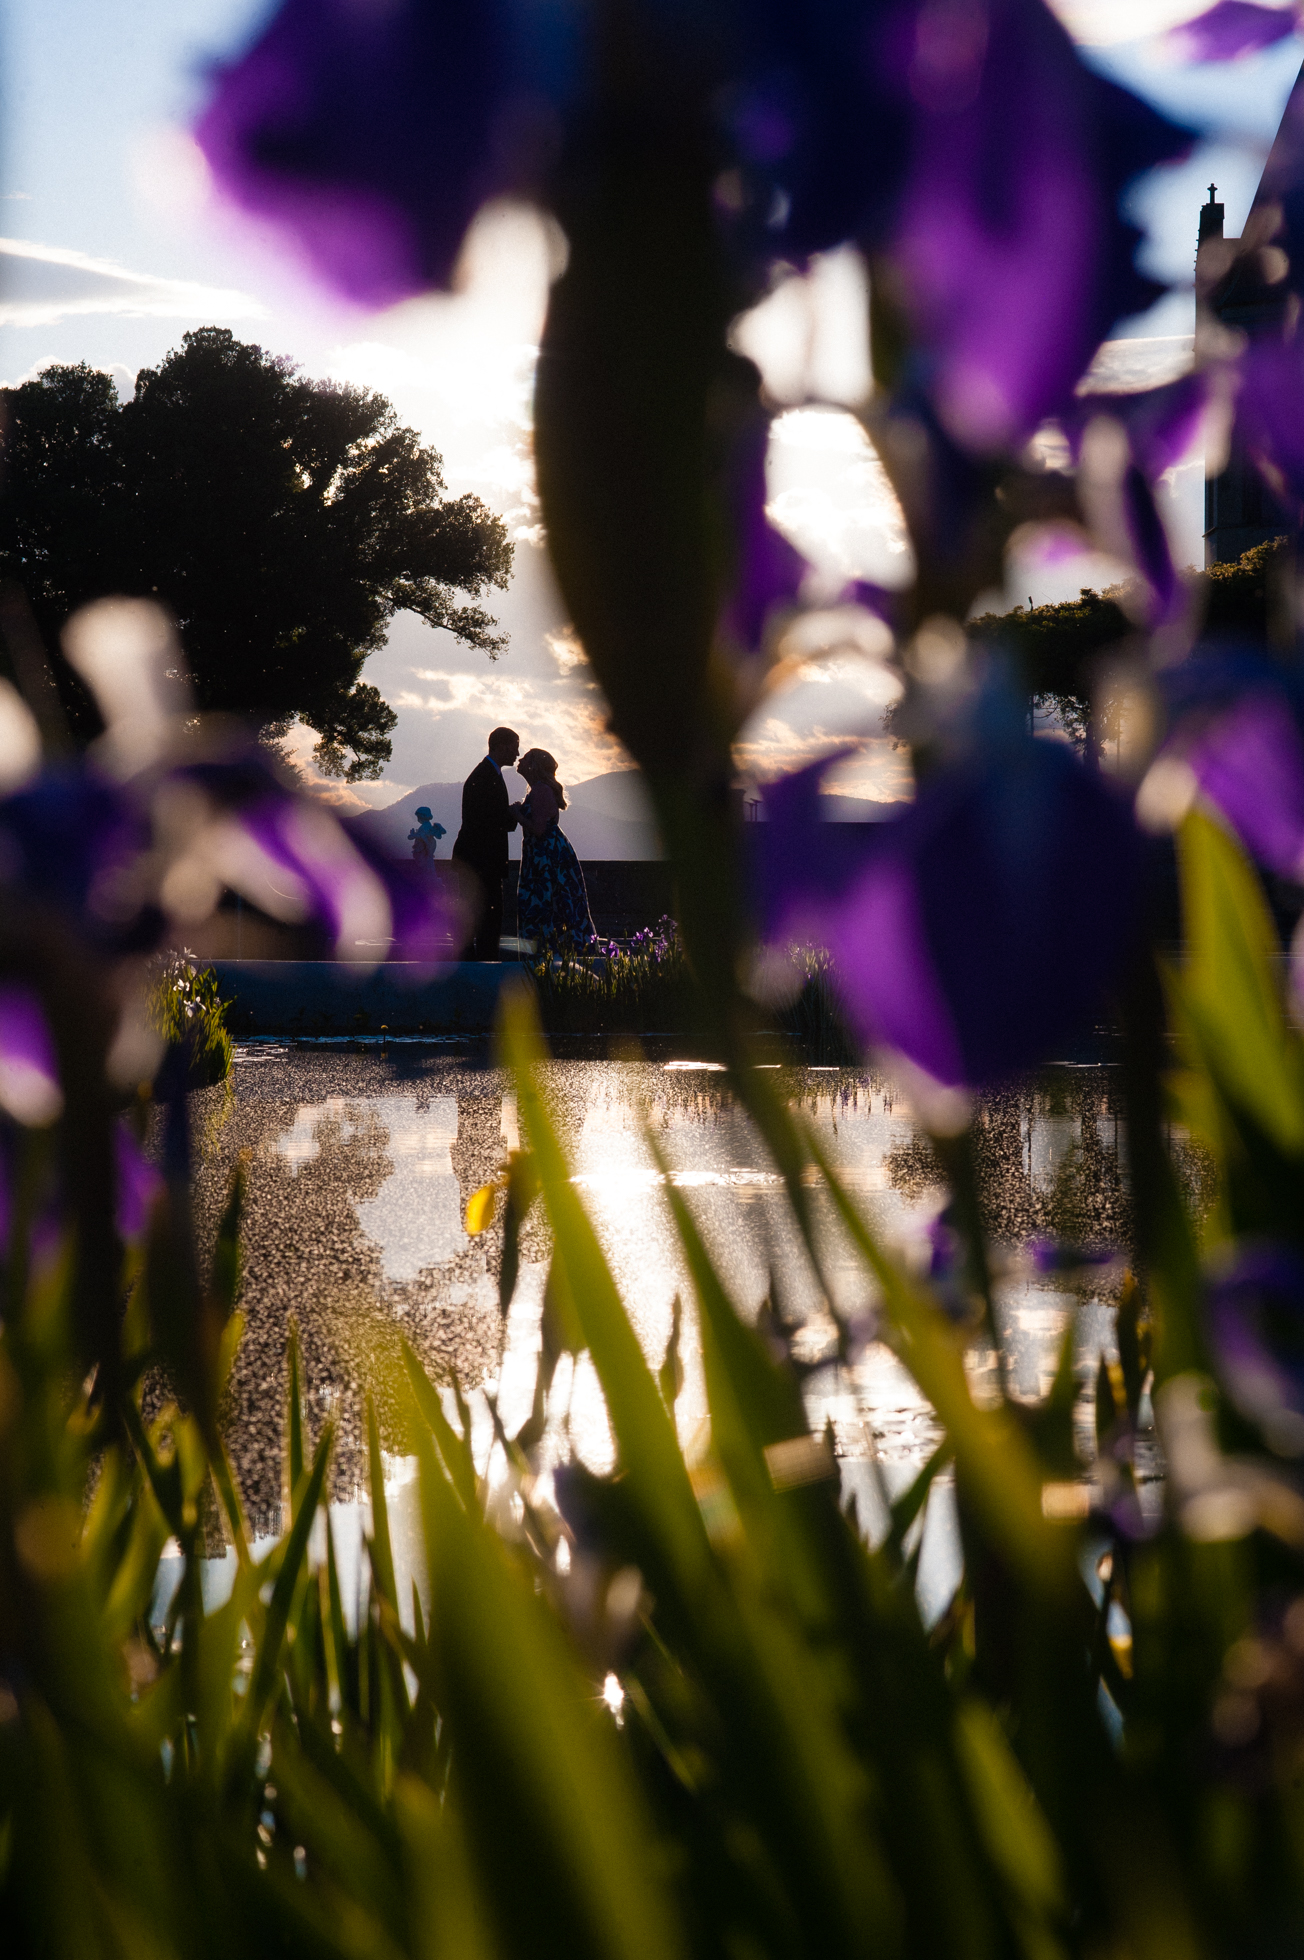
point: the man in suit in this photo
(488, 818)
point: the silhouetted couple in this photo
(551, 901)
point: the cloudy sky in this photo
(111, 246)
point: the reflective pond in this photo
(361, 1166)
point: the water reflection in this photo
(360, 1173)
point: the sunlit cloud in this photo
(46, 283)
(879, 771)
(565, 648)
(822, 707)
(810, 335)
(1102, 23)
(567, 719)
(831, 495)
(460, 367)
(1126, 367)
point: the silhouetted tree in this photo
(283, 521)
(1058, 649)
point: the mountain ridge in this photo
(606, 817)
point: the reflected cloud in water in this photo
(362, 1169)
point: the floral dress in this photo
(551, 900)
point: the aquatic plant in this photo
(644, 985)
(640, 985)
(185, 1007)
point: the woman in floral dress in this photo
(551, 900)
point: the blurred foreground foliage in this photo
(684, 1708)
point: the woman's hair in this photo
(547, 766)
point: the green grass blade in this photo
(645, 1435)
(1231, 988)
(991, 1450)
(452, 1448)
(267, 1660)
(382, 1554)
(294, 1415)
(557, 1834)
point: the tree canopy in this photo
(1058, 648)
(283, 521)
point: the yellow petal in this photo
(480, 1209)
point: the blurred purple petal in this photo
(944, 491)
(1278, 209)
(887, 978)
(1255, 1313)
(29, 1069)
(767, 570)
(968, 139)
(69, 840)
(1015, 260)
(138, 1181)
(1149, 544)
(1236, 717)
(1231, 28)
(967, 131)
(1249, 761)
(980, 930)
(289, 854)
(429, 920)
(1060, 1256)
(1270, 415)
(1161, 424)
(801, 865)
(323, 871)
(375, 132)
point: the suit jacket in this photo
(482, 840)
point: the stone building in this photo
(1239, 508)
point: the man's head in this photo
(504, 746)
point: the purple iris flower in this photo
(69, 839)
(1014, 257)
(1237, 726)
(29, 1070)
(428, 921)
(1231, 28)
(375, 132)
(1160, 423)
(1249, 761)
(964, 137)
(1255, 1316)
(291, 855)
(138, 1183)
(977, 932)
(1149, 542)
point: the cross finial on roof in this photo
(1213, 188)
